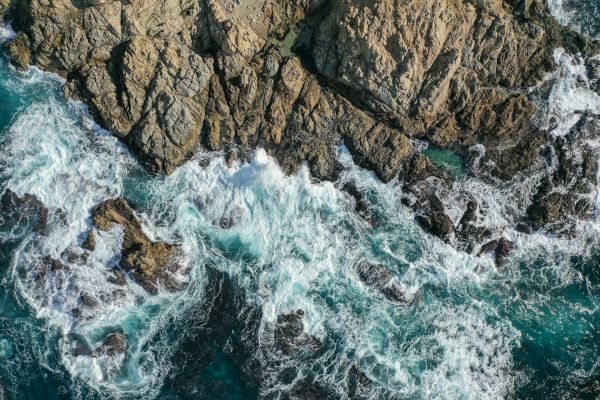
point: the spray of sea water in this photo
(260, 245)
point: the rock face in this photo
(169, 76)
(565, 195)
(150, 263)
(452, 71)
(112, 345)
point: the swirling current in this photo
(528, 330)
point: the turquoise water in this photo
(446, 159)
(524, 331)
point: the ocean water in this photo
(528, 330)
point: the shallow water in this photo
(527, 331)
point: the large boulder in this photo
(18, 51)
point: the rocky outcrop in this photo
(18, 51)
(565, 195)
(150, 263)
(381, 278)
(500, 250)
(289, 336)
(169, 76)
(22, 212)
(112, 345)
(452, 71)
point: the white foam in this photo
(6, 32)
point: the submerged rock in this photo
(151, 264)
(307, 390)
(3, 392)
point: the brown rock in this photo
(90, 241)
(18, 51)
(149, 263)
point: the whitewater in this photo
(528, 330)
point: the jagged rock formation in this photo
(168, 76)
(150, 263)
(454, 72)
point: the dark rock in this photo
(289, 335)
(118, 277)
(421, 179)
(27, 210)
(500, 248)
(563, 196)
(470, 230)
(503, 249)
(73, 256)
(435, 222)
(306, 390)
(90, 241)
(384, 280)
(358, 383)
(360, 203)
(221, 330)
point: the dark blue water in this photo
(528, 330)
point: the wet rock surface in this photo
(361, 206)
(382, 279)
(150, 263)
(289, 334)
(170, 76)
(112, 345)
(22, 212)
(18, 51)
(500, 250)
(565, 195)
